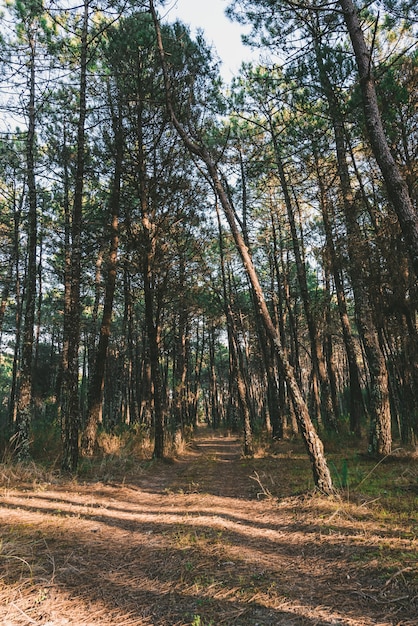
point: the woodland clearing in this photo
(209, 538)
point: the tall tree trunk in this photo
(279, 415)
(4, 298)
(131, 364)
(180, 360)
(18, 313)
(154, 351)
(213, 386)
(329, 351)
(65, 155)
(357, 408)
(71, 406)
(313, 443)
(195, 389)
(95, 391)
(236, 360)
(268, 357)
(395, 184)
(149, 238)
(319, 373)
(380, 431)
(39, 275)
(24, 398)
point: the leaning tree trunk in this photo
(274, 418)
(275, 397)
(395, 184)
(319, 372)
(313, 443)
(380, 431)
(268, 359)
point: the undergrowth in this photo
(279, 469)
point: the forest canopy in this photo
(176, 250)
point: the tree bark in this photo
(180, 361)
(18, 312)
(319, 372)
(24, 398)
(380, 432)
(314, 446)
(71, 406)
(236, 360)
(95, 392)
(357, 409)
(395, 184)
(154, 351)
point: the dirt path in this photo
(195, 542)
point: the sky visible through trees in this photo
(178, 250)
(221, 32)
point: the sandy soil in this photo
(199, 541)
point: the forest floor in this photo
(209, 538)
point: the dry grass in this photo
(210, 538)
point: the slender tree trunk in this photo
(313, 443)
(395, 184)
(195, 390)
(213, 386)
(380, 431)
(13, 271)
(180, 364)
(279, 414)
(71, 408)
(66, 274)
(151, 324)
(24, 398)
(5, 295)
(39, 275)
(131, 387)
(357, 408)
(154, 355)
(329, 351)
(319, 373)
(95, 392)
(242, 395)
(236, 360)
(268, 358)
(92, 326)
(18, 312)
